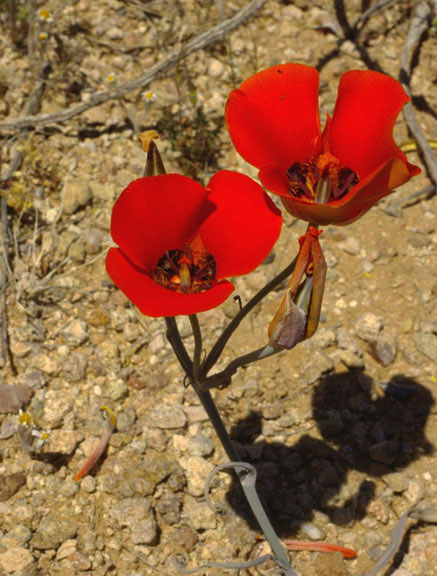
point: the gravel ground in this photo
(341, 430)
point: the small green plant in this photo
(195, 137)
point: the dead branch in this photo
(209, 37)
(419, 24)
(33, 106)
(362, 20)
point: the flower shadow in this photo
(365, 437)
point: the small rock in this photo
(347, 341)
(415, 491)
(115, 33)
(331, 259)
(88, 484)
(117, 389)
(108, 351)
(10, 484)
(56, 407)
(319, 365)
(369, 326)
(330, 565)
(169, 508)
(196, 470)
(35, 379)
(397, 481)
(69, 487)
(12, 397)
(379, 510)
(273, 411)
(76, 333)
(18, 536)
(74, 367)
(8, 428)
(157, 344)
(21, 349)
(325, 337)
(384, 452)
(351, 245)
(186, 537)
(200, 514)
(15, 560)
(349, 359)
(46, 364)
(332, 424)
(52, 531)
(137, 514)
(367, 266)
(312, 531)
(393, 208)
(168, 417)
(426, 343)
(216, 68)
(104, 192)
(93, 241)
(200, 446)
(195, 414)
(64, 441)
(385, 349)
(77, 195)
(131, 331)
(66, 549)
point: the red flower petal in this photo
(154, 300)
(274, 178)
(357, 202)
(146, 219)
(361, 132)
(241, 232)
(274, 116)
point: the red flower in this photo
(177, 241)
(332, 177)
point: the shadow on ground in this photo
(371, 436)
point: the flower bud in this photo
(298, 314)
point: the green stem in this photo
(249, 491)
(197, 334)
(174, 337)
(223, 378)
(218, 347)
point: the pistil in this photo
(321, 179)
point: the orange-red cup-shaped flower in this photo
(329, 177)
(178, 241)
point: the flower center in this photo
(189, 271)
(321, 179)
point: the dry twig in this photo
(419, 24)
(33, 106)
(209, 37)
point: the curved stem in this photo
(220, 379)
(248, 488)
(217, 349)
(174, 337)
(197, 334)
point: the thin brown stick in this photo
(33, 106)
(209, 37)
(419, 24)
(362, 20)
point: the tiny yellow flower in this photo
(44, 15)
(149, 96)
(24, 418)
(111, 77)
(43, 36)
